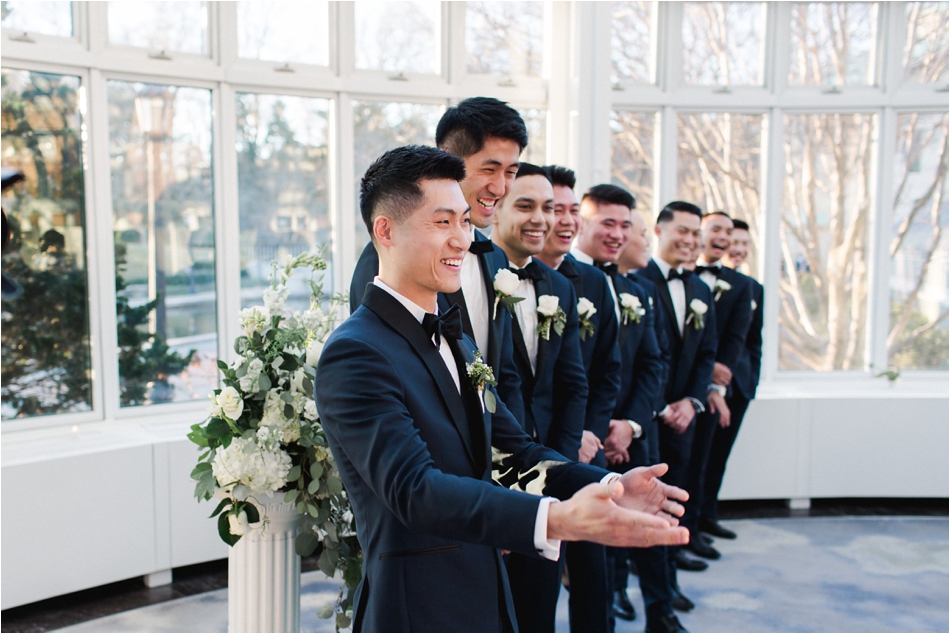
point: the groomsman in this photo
(732, 305)
(548, 358)
(489, 136)
(745, 380)
(406, 410)
(589, 605)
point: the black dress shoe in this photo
(703, 537)
(703, 549)
(666, 623)
(680, 603)
(716, 529)
(688, 563)
(623, 609)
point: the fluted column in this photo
(264, 572)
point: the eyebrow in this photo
(449, 210)
(496, 162)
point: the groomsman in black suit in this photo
(548, 358)
(589, 605)
(489, 136)
(745, 380)
(405, 406)
(732, 305)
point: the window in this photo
(289, 32)
(283, 188)
(824, 282)
(722, 43)
(504, 38)
(163, 223)
(45, 18)
(631, 42)
(47, 366)
(398, 36)
(718, 167)
(160, 26)
(535, 120)
(925, 52)
(918, 338)
(632, 139)
(833, 43)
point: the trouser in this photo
(535, 584)
(723, 440)
(589, 603)
(675, 450)
(706, 425)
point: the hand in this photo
(619, 437)
(717, 405)
(680, 415)
(593, 515)
(617, 457)
(722, 375)
(644, 491)
(590, 445)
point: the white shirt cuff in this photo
(610, 477)
(547, 548)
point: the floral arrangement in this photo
(505, 284)
(630, 308)
(552, 315)
(263, 435)
(480, 374)
(697, 308)
(720, 287)
(585, 310)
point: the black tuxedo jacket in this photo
(745, 376)
(692, 354)
(600, 352)
(733, 315)
(500, 354)
(415, 457)
(659, 328)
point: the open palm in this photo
(644, 491)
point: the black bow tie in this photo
(448, 324)
(610, 269)
(677, 275)
(531, 271)
(715, 270)
(481, 247)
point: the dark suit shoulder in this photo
(562, 285)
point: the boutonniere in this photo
(754, 305)
(481, 375)
(585, 310)
(720, 287)
(697, 308)
(506, 283)
(551, 315)
(630, 308)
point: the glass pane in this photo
(47, 18)
(631, 41)
(631, 142)
(504, 38)
(45, 336)
(399, 36)
(824, 281)
(163, 223)
(926, 50)
(918, 337)
(535, 119)
(833, 43)
(160, 26)
(722, 43)
(284, 31)
(283, 189)
(717, 167)
(380, 126)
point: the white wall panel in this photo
(194, 536)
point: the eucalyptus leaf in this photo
(288, 411)
(325, 565)
(335, 485)
(343, 621)
(314, 511)
(294, 473)
(316, 470)
(253, 516)
(313, 487)
(240, 492)
(290, 495)
(287, 397)
(326, 611)
(307, 386)
(263, 382)
(490, 403)
(301, 507)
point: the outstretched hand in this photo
(643, 491)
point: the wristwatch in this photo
(718, 389)
(637, 429)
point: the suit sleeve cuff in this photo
(718, 389)
(547, 548)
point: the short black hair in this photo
(530, 169)
(718, 213)
(666, 214)
(739, 224)
(392, 181)
(610, 195)
(464, 128)
(561, 176)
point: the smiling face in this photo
(738, 249)
(636, 254)
(525, 218)
(678, 238)
(716, 237)
(489, 174)
(422, 255)
(604, 230)
(566, 223)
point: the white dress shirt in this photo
(526, 313)
(706, 276)
(476, 299)
(582, 257)
(677, 292)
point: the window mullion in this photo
(227, 223)
(879, 259)
(770, 262)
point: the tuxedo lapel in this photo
(543, 287)
(653, 271)
(494, 327)
(623, 329)
(388, 308)
(479, 419)
(518, 340)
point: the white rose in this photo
(628, 300)
(698, 306)
(238, 525)
(506, 282)
(254, 319)
(293, 350)
(310, 410)
(547, 305)
(585, 308)
(754, 305)
(230, 402)
(313, 353)
(722, 285)
(214, 409)
(296, 380)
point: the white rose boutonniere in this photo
(552, 315)
(754, 305)
(720, 287)
(630, 308)
(506, 283)
(585, 310)
(697, 308)
(481, 375)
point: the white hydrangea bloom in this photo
(260, 469)
(249, 382)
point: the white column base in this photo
(156, 579)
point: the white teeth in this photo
(453, 262)
(486, 204)
(534, 234)
(565, 235)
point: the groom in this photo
(414, 432)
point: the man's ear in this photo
(657, 229)
(383, 227)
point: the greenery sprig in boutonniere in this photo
(506, 283)
(720, 287)
(630, 308)
(552, 315)
(697, 308)
(585, 310)
(481, 375)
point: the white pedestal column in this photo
(264, 572)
